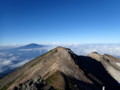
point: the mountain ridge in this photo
(65, 61)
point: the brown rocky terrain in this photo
(62, 70)
(110, 64)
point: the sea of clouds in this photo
(11, 58)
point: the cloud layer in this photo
(11, 59)
(112, 49)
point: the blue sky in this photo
(59, 21)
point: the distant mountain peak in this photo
(31, 46)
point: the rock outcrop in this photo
(37, 83)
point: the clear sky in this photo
(59, 21)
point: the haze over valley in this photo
(14, 56)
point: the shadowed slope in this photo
(110, 64)
(96, 72)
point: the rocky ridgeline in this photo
(37, 83)
(64, 70)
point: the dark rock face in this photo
(37, 83)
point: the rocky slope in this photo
(36, 83)
(63, 70)
(110, 64)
